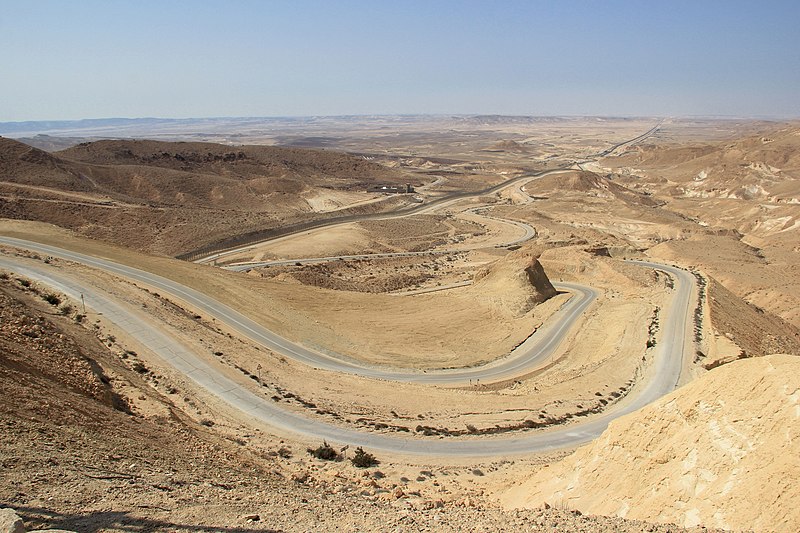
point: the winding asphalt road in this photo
(214, 252)
(529, 232)
(665, 371)
(432, 206)
(524, 358)
(661, 377)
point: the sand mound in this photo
(515, 283)
(723, 451)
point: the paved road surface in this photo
(666, 368)
(529, 232)
(527, 356)
(212, 254)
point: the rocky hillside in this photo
(240, 162)
(723, 451)
(764, 167)
(26, 165)
(168, 198)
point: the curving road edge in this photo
(662, 375)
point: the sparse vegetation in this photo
(363, 459)
(284, 452)
(51, 298)
(326, 452)
(652, 329)
(698, 313)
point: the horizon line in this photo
(433, 115)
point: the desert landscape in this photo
(451, 323)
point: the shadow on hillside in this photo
(118, 521)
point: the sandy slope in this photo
(723, 451)
(168, 459)
(728, 208)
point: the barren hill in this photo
(169, 197)
(723, 451)
(746, 192)
(514, 284)
(23, 164)
(589, 183)
(764, 166)
(316, 167)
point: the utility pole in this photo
(83, 304)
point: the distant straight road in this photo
(216, 251)
(662, 378)
(421, 209)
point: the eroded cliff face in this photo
(515, 284)
(723, 451)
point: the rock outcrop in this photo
(10, 522)
(514, 284)
(723, 451)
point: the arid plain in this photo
(495, 219)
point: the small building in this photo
(392, 189)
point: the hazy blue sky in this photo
(91, 59)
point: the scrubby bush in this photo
(326, 452)
(363, 459)
(51, 298)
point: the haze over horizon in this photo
(93, 59)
